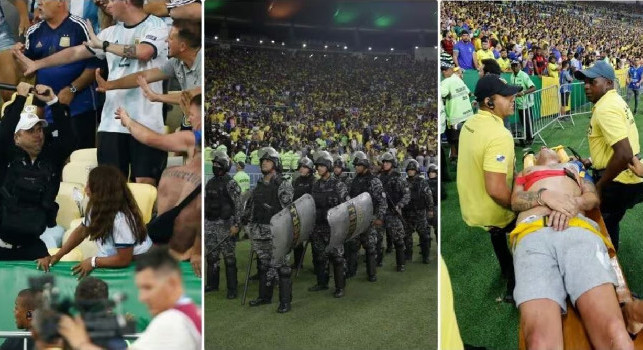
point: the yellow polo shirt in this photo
(483, 55)
(485, 145)
(611, 122)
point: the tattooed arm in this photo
(522, 200)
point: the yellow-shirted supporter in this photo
(484, 52)
(486, 168)
(449, 331)
(613, 142)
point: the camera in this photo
(104, 325)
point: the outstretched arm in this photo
(180, 141)
(68, 55)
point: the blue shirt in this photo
(635, 77)
(556, 54)
(43, 41)
(465, 54)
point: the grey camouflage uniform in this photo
(217, 233)
(415, 214)
(392, 220)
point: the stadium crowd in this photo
(306, 100)
(85, 149)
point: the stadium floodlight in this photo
(416, 47)
(375, 58)
(238, 39)
(345, 47)
(216, 37)
(272, 41)
(260, 41)
(311, 55)
(370, 48)
(303, 45)
(325, 46)
(392, 49)
(435, 47)
(283, 43)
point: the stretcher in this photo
(574, 334)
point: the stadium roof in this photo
(359, 24)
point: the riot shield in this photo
(350, 219)
(292, 226)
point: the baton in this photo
(218, 244)
(301, 261)
(245, 287)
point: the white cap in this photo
(29, 118)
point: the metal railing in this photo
(27, 335)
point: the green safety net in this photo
(14, 276)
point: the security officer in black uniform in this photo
(302, 184)
(415, 213)
(222, 219)
(328, 192)
(339, 168)
(434, 183)
(364, 181)
(272, 194)
(397, 197)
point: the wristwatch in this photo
(105, 45)
(73, 89)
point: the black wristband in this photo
(105, 45)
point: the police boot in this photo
(340, 278)
(213, 279)
(351, 263)
(408, 252)
(400, 258)
(265, 290)
(285, 289)
(231, 277)
(370, 267)
(322, 277)
(379, 252)
(424, 249)
(255, 277)
(299, 250)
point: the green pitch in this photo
(399, 311)
(473, 267)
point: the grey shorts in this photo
(551, 265)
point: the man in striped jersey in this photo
(73, 83)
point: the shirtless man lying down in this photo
(560, 252)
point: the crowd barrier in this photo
(14, 276)
(545, 106)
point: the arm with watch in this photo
(66, 94)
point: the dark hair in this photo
(189, 32)
(157, 258)
(28, 298)
(109, 196)
(91, 288)
(196, 100)
(464, 32)
(490, 65)
(137, 3)
(565, 63)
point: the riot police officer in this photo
(272, 194)
(338, 170)
(327, 192)
(302, 184)
(222, 218)
(364, 181)
(415, 213)
(433, 185)
(397, 197)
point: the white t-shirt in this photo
(152, 30)
(169, 330)
(122, 237)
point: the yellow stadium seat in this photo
(73, 255)
(84, 155)
(86, 248)
(68, 209)
(77, 172)
(145, 196)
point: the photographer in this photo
(30, 168)
(177, 321)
